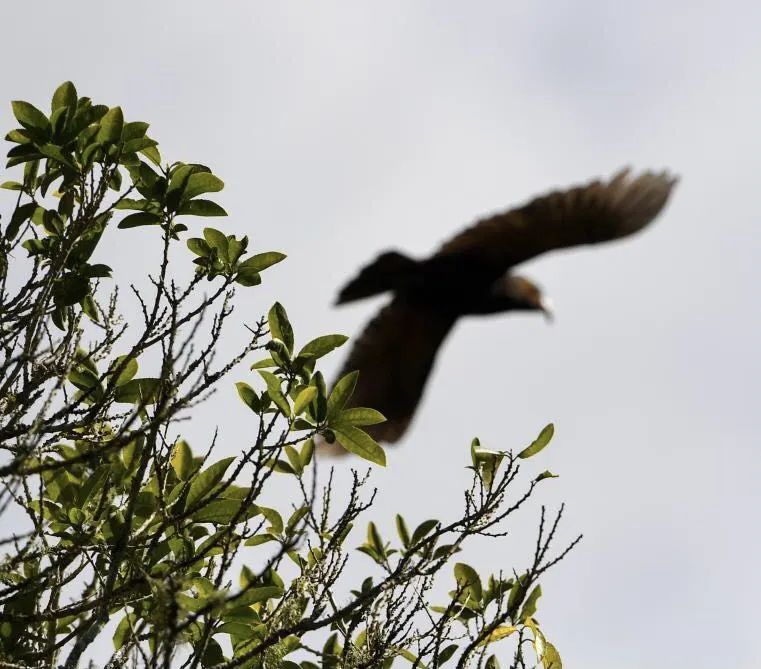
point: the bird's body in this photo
(471, 275)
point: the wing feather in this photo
(590, 214)
(394, 355)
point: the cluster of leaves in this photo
(506, 606)
(115, 518)
(295, 390)
(84, 151)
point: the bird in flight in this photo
(471, 274)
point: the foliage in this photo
(124, 522)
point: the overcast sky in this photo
(344, 128)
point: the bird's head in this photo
(522, 294)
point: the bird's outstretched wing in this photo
(394, 356)
(596, 212)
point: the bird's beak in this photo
(545, 304)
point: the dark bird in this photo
(471, 274)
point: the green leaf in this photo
(469, 580)
(141, 391)
(411, 657)
(36, 246)
(475, 448)
(256, 595)
(539, 443)
(124, 630)
(213, 655)
(12, 185)
(65, 96)
(201, 208)
(303, 399)
(60, 317)
(273, 390)
(295, 519)
(360, 443)
(498, 633)
(152, 153)
(280, 466)
(90, 309)
(90, 154)
(30, 173)
(273, 517)
(341, 393)
(138, 144)
(29, 116)
(130, 454)
(401, 528)
(53, 151)
(322, 346)
(87, 243)
(264, 363)
(20, 215)
(247, 278)
(199, 246)
(447, 653)
(280, 326)
(139, 205)
(517, 594)
(203, 482)
(485, 462)
(128, 371)
(422, 530)
(294, 459)
(134, 130)
(76, 516)
(182, 460)
(93, 484)
(58, 120)
(217, 240)
(261, 261)
(27, 151)
(138, 219)
(307, 451)
(201, 182)
(18, 136)
(97, 270)
(259, 539)
(115, 179)
(65, 204)
(84, 359)
(235, 247)
(249, 396)
(111, 126)
(148, 183)
(360, 416)
(223, 512)
(492, 662)
(529, 606)
(374, 538)
(547, 474)
(83, 378)
(550, 657)
(178, 180)
(50, 221)
(32, 155)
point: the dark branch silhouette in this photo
(472, 274)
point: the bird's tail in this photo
(387, 272)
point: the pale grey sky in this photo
(344, 128)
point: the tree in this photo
(125, 522)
